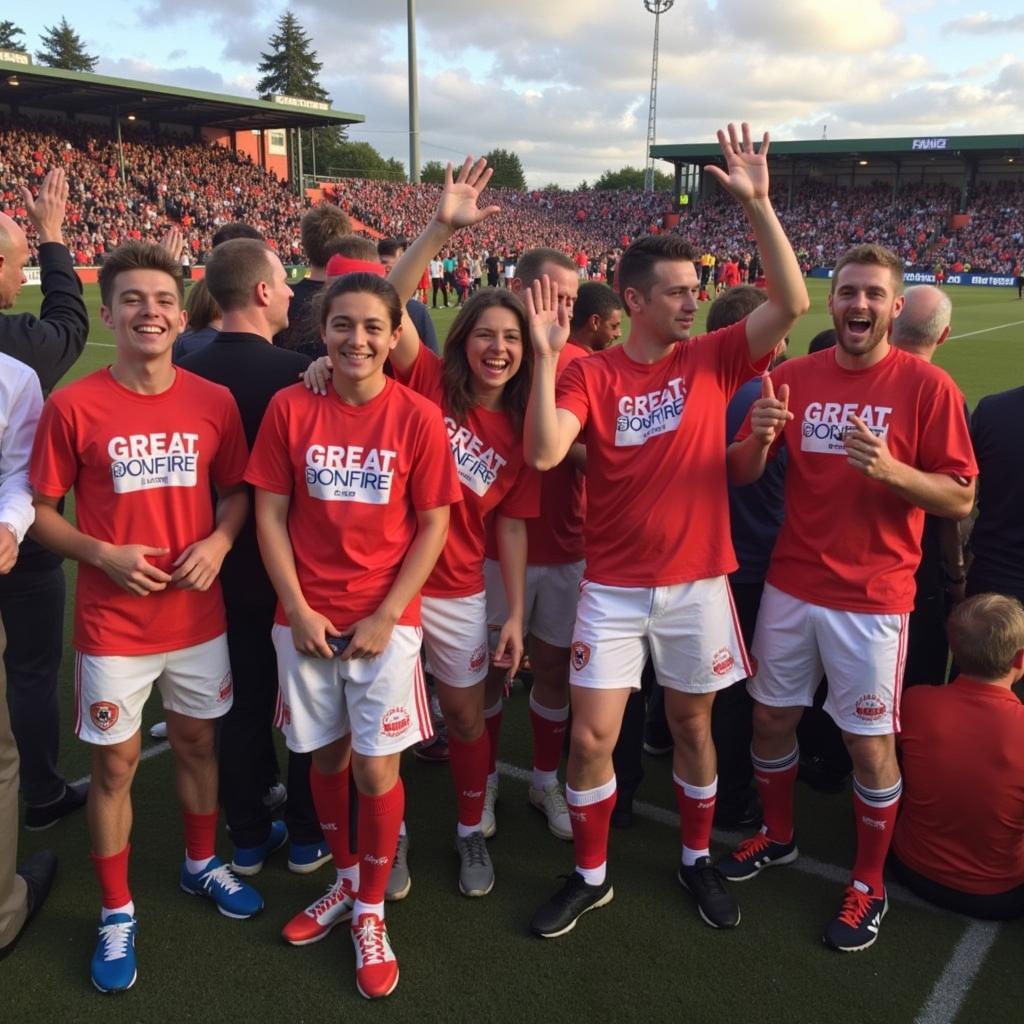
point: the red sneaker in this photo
(376, 966)
(317, 920)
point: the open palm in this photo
(549, 320)
(458, 206)
(746, 173)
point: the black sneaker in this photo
(714, 902)
(744, 813)
(47, 815)
(560, 914)
(753, 855)
(856, 925)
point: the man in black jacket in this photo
(32, 595)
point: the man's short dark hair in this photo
(732, 306)
(636, 268)
(352, 247)
(390, 247)
(319, 227)
(870, 254)
(235, 229)
(594, 299)
(234, 269)
(138, 256)
(530, 265)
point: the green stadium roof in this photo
(76, 92)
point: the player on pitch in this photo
(652, 415)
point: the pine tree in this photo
(8, 36)
(291, 67)
(63, 48)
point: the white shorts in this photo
(381, 701)
(455, 636)
(550, 602)
(110, 690)
(862, 653)
(690, 631)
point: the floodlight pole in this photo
(414, 101)
(657, 8)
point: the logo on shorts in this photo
(722, 661)
(103, 714)
(869, 707)
(394, 722)
(580, 655)
(478, 657)
(225, 688)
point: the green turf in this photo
(647, 957)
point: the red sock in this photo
(696, 812)
(380, 818)
(492, 722)
(200, 834)
(469, 769)
(331, 800)
(549, 725)
(875, 816)
(776, 781)
(590, 811)
(112, 874)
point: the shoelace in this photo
(116, 938)
(856, 905)
(711, 879)
(223, 877)
(558, 804)
(370, 937)
(476, 849)
(751, 847)
(335, 894)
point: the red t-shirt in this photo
(488, 457)
(849, 542)
(657, 503)
(142, 467)
(357, 476)
(961, 823)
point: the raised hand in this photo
(746, 173)
(46, 210)
(549, 320)
(173, 241)
(770, 413)
(457, 208)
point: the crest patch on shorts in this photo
(722, 661)
(103, 714)
(225, 688)
(478, 657)
(870, 707)
(580, 655)
(394, 722)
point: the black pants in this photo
(927, 648)
(1002, 906)
(247, 759)
(438, 286)
(32, 606)
(627, 757)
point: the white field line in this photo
(955, 981)
(985, 330)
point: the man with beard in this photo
(596, 317)
(875, 439)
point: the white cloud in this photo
(984, 23)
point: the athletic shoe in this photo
(399, 880)
(434, 751)
(657, 739)
(275, 797)
(753, 855)
(304, 858)
(376, 966)
(317, 920)
(40, 817)
(715, 903)
(856, 925)
(823, 775)
(560, 914)
(113, 964)
(476, 873)
(158, 730)
(248, 860)
(551, 803)
(488, 822)
(217, 882)
(744, 813)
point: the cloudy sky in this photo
(565, 82)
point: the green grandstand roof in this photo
(76, 92)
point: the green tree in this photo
(342, 158)
(632, 178)
(583, 186)
(291, 67)
(63, 48)
(432, 173)
(552, 186)
(508, 169)
(8, 36)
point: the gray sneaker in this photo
(399, 882)
(476, 873)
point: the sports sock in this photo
(775, 780)
(469, 770)
(112, 874)
(380, 818)
(107, 912)
(331, 800)
(492, 722)
(590, 811)
(200, 839)
(548, 725)
(696, 814)
(875, 815)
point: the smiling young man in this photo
(875, 438)
(141, 443)
(652, 415)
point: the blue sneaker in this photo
(304, 858)
(113, 964)
(249, 860)
(218, 883)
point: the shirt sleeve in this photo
(270, 466)
(53, 469)
(229, 464)
(15, 451)
(523, 498)
(571, 392)
(945, 439)
(424, 376)
(433, 481)
(730, 352)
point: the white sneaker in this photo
(488, 823)
(551, 803)
(275, 796)
(158, 730)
